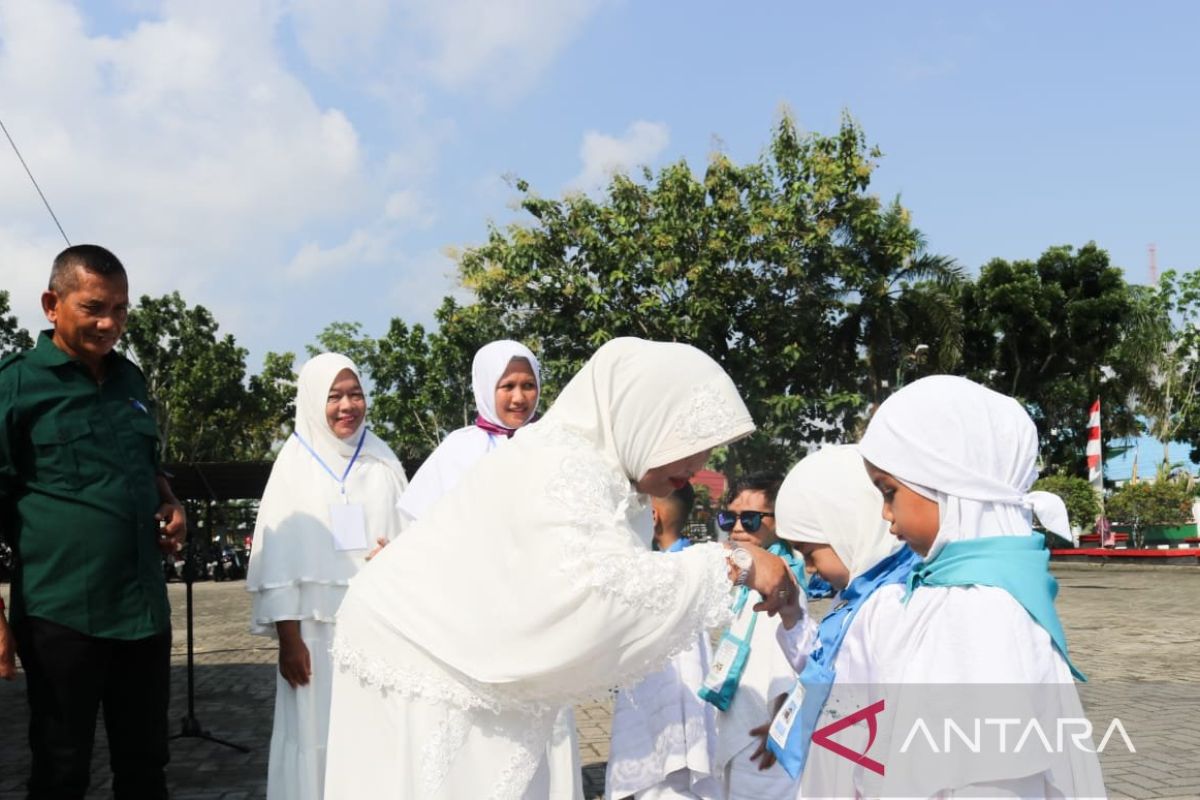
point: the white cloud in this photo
(184, 144)
(605, 155)
(497, 45)
(189, 143)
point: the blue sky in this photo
(288, 163)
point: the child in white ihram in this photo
(829, 510)
(973, 632)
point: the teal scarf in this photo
(1017, 564)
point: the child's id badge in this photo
(349, 526)
(723, 662)
(781, 726)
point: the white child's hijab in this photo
(970, 448)
(827, 498)
(488, 367)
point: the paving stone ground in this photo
(1134, 630)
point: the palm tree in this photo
(898, 297)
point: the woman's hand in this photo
(772, 579)
(380, 543)
(295, 663)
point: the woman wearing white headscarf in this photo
(527, 589)
(331, 495)
(955, 462)
(494, 423)
(506, 382)
(828, 507)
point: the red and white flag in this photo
(1095, 462)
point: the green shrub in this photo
(1163, 502)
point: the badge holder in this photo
(721, 682)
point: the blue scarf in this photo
(819, 670)
(1017, 564)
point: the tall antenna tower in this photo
(1153, 265)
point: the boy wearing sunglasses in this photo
(740, 692)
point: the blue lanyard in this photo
(342, 480)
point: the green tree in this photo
(13, 337)
(1163, 501)
(1044, 331)
(204, 407)
(1160, 351)
(755, 264)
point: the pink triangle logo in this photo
(822, 736)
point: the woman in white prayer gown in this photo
(506, 382)
(955, 462)
(301, 562)
(527, 589)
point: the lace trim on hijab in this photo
(708, 416)
(413, 684)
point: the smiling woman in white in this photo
(527, 588)
(330, 469)
(463, 447)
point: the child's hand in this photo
(762, 754)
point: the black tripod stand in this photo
(191, 728)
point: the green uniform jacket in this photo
(78, 494)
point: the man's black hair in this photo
(766, 482)
(91, 257)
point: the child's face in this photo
(821, 558)
(914, 518)
(751, 500)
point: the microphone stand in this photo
(191, 728)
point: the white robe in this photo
(664, 735)
(951, 638)
(526, 589)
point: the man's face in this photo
(89, 318)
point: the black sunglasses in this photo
(751, 520)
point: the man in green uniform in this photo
(87, 512)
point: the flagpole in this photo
(1095, 465)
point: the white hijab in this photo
(971, 449)
(488, 368)
(827, 498)
(459, 451)
(528, 586)
(646, 404)
(295, 571)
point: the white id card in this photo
(349, 526)
(781, 726)
(727, 651)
